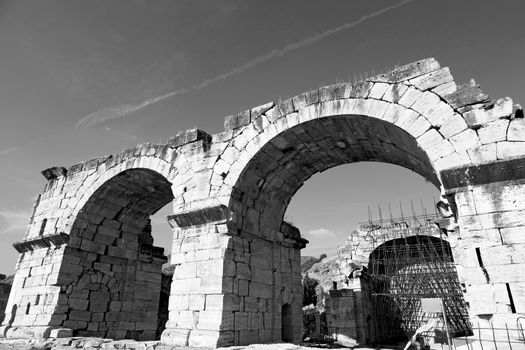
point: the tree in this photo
(309, 294)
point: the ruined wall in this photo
(341, 317)
(355, 253)
(165, 291)
(103, 277)
(350, 313)
(5, 288)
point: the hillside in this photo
(308, 261)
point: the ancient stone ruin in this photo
(88, 266)
(372, 292)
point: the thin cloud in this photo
(13, 221)
(321, 232)
(115, 112)
(14, 149)
(9, 150)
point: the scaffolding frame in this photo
(411, 259)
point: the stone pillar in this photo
(489, 203)
(229, 287)
(202, 296)
(290, 242)
(65, 287)
(35, 306)
(350, 314)
(341, 316)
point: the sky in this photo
(175, 65)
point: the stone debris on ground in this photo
(109, 344)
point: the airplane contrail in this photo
(119, 111)
(7, 151)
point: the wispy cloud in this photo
(13, 221)
(321, 232)
(7, 151)
(115, 112)
(15, 149)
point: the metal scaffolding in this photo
(411, 259)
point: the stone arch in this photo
(105, 172)
(402, 271)
(377, 256)
(110, 276)
(449, 126)
(236, 260)
(274, 174)
(269, 171)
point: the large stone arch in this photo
(274, 174)
(460, 139)
(236, 263)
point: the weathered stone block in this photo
(518, 296)
(506, 273)
(467, 94)
(408, 71)
(483, 153)
(516, 131)
(432, 79)
(215, 320)
(507, 150)
(176, 337)
(513, 235)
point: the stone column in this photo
(35, 307)
(229, 286)
(202, 298)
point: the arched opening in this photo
(111, 275)
(287, 323)
(164, 238)
(407, 269)
(275, 173)
(281, 166)
(332, 204)
(329, 211)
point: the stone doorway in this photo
(287, 323)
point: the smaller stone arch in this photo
(111, 272)
(160, 162)
(404, 270)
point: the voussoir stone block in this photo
(516, 131)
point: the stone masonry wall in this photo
(106, 280)
(415, 116)
(5, 288)
(349, 313)
(491, 234)
(230, 289)
(36, 297)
